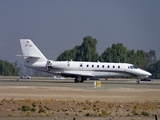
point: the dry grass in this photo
(53, 107)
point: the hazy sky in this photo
(58, 25)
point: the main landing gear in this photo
(79, 79)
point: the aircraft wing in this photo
(76, 73)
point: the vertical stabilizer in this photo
(30, 51)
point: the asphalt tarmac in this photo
(89, 84)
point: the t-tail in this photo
(32, 55)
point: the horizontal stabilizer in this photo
(31, 56)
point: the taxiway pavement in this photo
(118, 90)
(89, 84)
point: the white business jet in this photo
(33, 58)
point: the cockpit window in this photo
(133, 67)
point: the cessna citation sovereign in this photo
(33, 58)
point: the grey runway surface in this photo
(50, 82)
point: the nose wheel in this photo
(138, 81)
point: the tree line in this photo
(87, 52)
(7, 69)
(116, 53)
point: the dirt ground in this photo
(39, 102)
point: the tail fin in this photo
(30, 50)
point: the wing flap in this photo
(81, 73)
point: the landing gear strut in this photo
(79, 79)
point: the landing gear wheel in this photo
(76, 81)
(81, 81)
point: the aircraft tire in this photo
(76, 81)
(81, 81)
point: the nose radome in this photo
(149, 74)
(146, 73)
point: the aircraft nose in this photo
(146, 73)
(149, 74)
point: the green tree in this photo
(151, 57)
(106, 56)
(140, 59)
(155, 70)
(85, 52)
(7, 69)
(88, 49)
(117, 53)
(131, 56)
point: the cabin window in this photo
(97, 66)
(92, 65)
(118, 66)
(113, 66)
(108, 66)
(80, 65)
(87, 65)
(102, 66)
